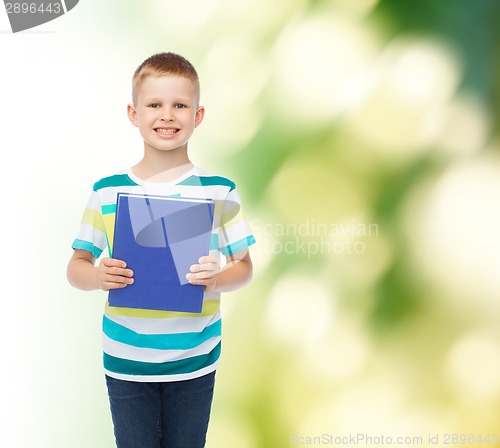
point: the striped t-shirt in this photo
(150, 345)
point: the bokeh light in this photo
(316, 59)
(468, 380)
(413, 78)
(457, 231)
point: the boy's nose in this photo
(167, 115)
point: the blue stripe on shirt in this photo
(174, 341)
(238, 246)
(85, 245)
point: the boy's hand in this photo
(112, 274)
(204, 273)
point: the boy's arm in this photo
(110, 274)
(236, 274)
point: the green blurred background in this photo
(363, 136)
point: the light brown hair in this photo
(164, 64)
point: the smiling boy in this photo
(160, 365)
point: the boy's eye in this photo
(154, 105)
(180, 106)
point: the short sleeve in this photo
(235, 233)
(91, 235)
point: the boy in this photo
(160, 365)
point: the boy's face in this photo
(166, 112)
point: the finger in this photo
(207, 259)
(118, 279)
(112, 285)
(203, 267)
(120, 271)
(208, 283)
(114, 270)
(194, 268)
(195, 281)
(114, 262)
(200, 275)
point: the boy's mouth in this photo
(166, 131)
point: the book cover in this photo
(160, 237)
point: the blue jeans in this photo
(161, 415)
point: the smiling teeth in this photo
(166, 131)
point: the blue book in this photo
(160, 237)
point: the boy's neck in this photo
(162, 166)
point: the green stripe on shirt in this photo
(203, 181)
(188, 365)
(118, 180)
(108, 209)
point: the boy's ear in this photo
(132, 115)
(200, 113)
